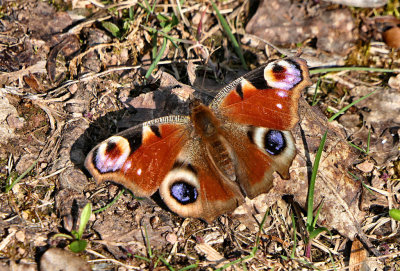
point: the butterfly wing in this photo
(193, 188)
(265, 97)
(259, 152)
(165, 155)
(258, 110)
(140, 157)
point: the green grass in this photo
(18, 179)
(78, 244)
(312, 229)
(157, 59)
(344, 109)
(230, 35)
(111, 203)
(339, 69)
(314, 100)
(365, 151)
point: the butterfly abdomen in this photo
(219, 153)
(221, 156)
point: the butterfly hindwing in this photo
(193, 188)
(260, 152)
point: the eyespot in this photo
(111, 155)
(282, 74)
(180, 184)
(180, 190)
(271, 141)
(183, 192)
(274, 142)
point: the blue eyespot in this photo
(274, 142)
(183, 192)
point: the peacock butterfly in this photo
(205, 164)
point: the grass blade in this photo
(9, 187)
(362, 183)
(368, 140)
(62, 235)
(149, 251)
(157, 59)
(294, 236)
(341, 111)
(192, 266)
(111, 203)
(85, 216)
(164, 261)
(317, 231)
(356, 147)
(231, 37)
(317, 215)
(314, 101)
(172, 39)
(310, 199)
(142, 258)
(339, 69)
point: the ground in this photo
(74, 73)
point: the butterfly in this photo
(205, 164)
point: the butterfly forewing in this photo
(140, 157)
(265, 97)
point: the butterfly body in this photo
(206, 164)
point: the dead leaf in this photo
(125, 231)
(211, 254)
(39, 67)
(380, 112)
(33, 83)
(334, 187)
(15, 122)
(7, 110)
(394, 82)
(168, 82)
(43, 20)
(338, 193)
